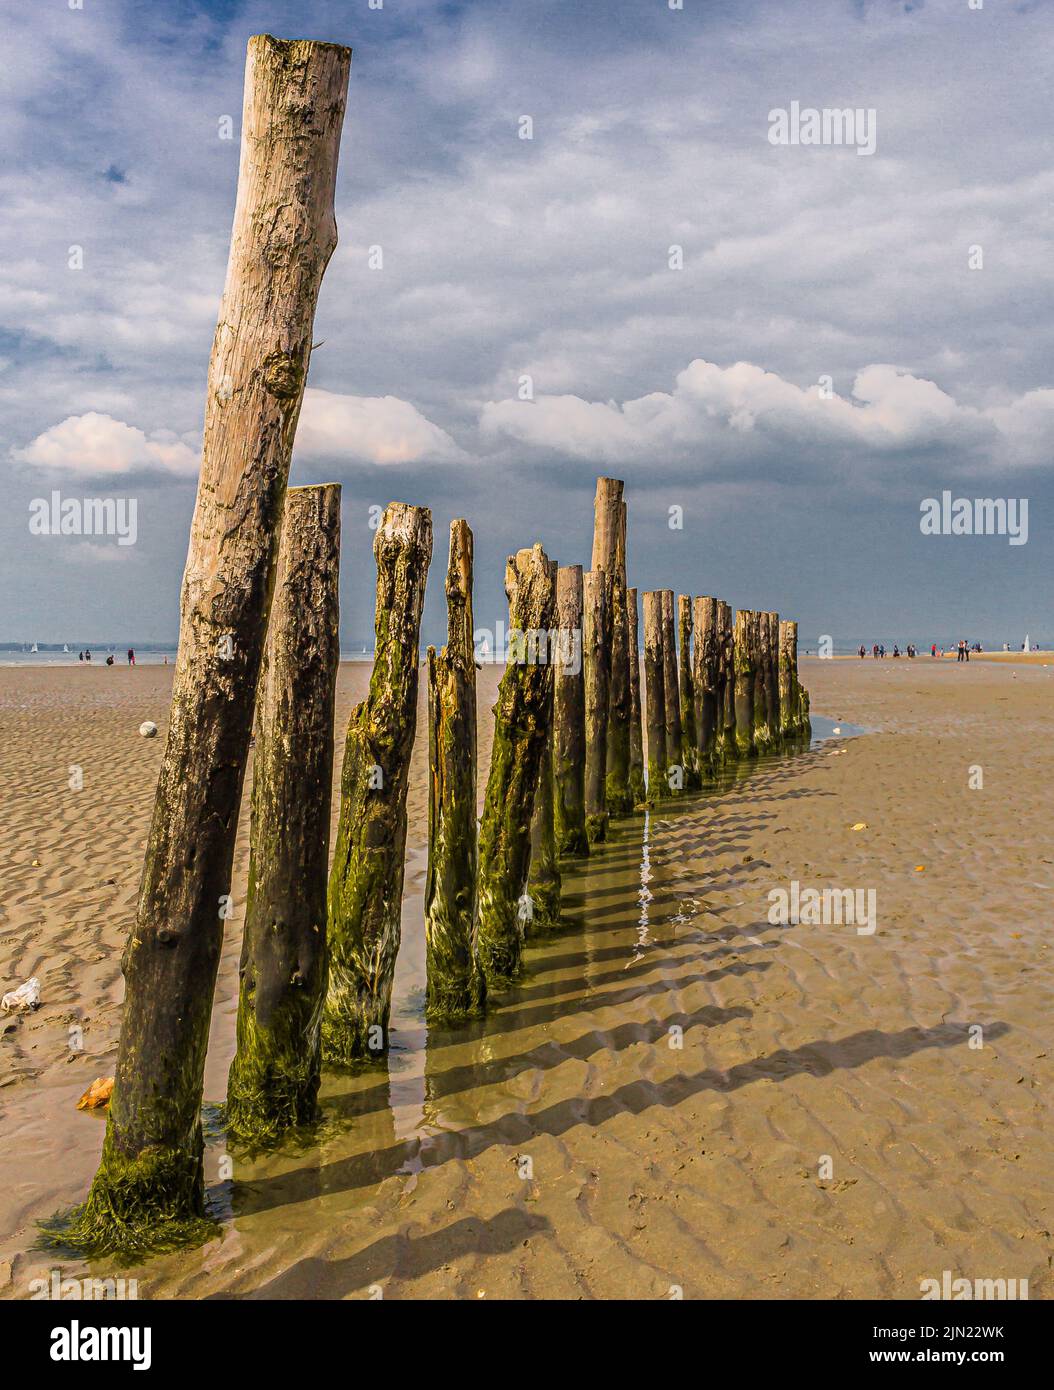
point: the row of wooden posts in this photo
(568, 754)
(258, 639)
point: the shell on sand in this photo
(148, 728)
(98, 1093)
(26, 996)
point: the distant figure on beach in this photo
(863, 651)
(933, 649)
(896, 650)
(80, 656)
(963, 653)
(131, 657)
(109, 659)
(874, 652)
(87, 655)
(882, 650)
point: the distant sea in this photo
(12, 654)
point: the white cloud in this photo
(94, 444)
(370, 429)
(744, 410)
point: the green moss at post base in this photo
(453, 1003)
(597, 828)
(617, 795)
(352, 1034)
(573, 845)
(266, 1096)
(501, 962)
(137, 1206)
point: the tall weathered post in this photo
(674, 748)
(366, 878)
(543, 878)
(655, 695)
(638, 789)
(762, 733)
(726, 749)
(744, 683)
(455, 987)
(689, 738)
(788, 711)
(609, 555)
(149, 1188)
(596, 655)
(274, 1078)
(772, 664)
(520, 731)
(706, 682)
(569, 717)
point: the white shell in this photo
(26, 996)
(148, 729)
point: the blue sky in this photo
(550, 258)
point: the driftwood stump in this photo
(274, 1079)
(366, 878)
(455, 987)
(149, 1188)
(745, 673)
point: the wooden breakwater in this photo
(577, 742)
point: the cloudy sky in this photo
(675, 286)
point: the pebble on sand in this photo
(148, 728)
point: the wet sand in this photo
(575, 1144)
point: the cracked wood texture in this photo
(366, 878)
(609, 555)
(674, 737)
(706, 673)
(689, 728)
(150, 1180)
(275, 1075)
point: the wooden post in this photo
(596, 655)
(675, 779)
(638, 789)
(744, 683)
(455, 987)
(655, 695)
(762, 733)
(149, 1188)
(609, 555)
(772, 677)
(366, 879)
(689, 728)
(569, 717)
(707, 682)
(799, 695)
(543, 878)
(788, 710)
(274, 1079)
(524, 703)
(725, 740)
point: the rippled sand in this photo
(647, 1113)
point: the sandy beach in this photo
(649, 1112)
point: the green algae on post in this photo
(689, 741)
(569, 718)
(655, 695)
(520, 730)
(455, 988)
(609, 555)
(675, 779)
(366, 878)
(637, 785)
(274, 1078)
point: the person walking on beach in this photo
(87, 655)
(933, 649)
(874, 652)
(863, 651)
(131, 657)
(80, 656)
